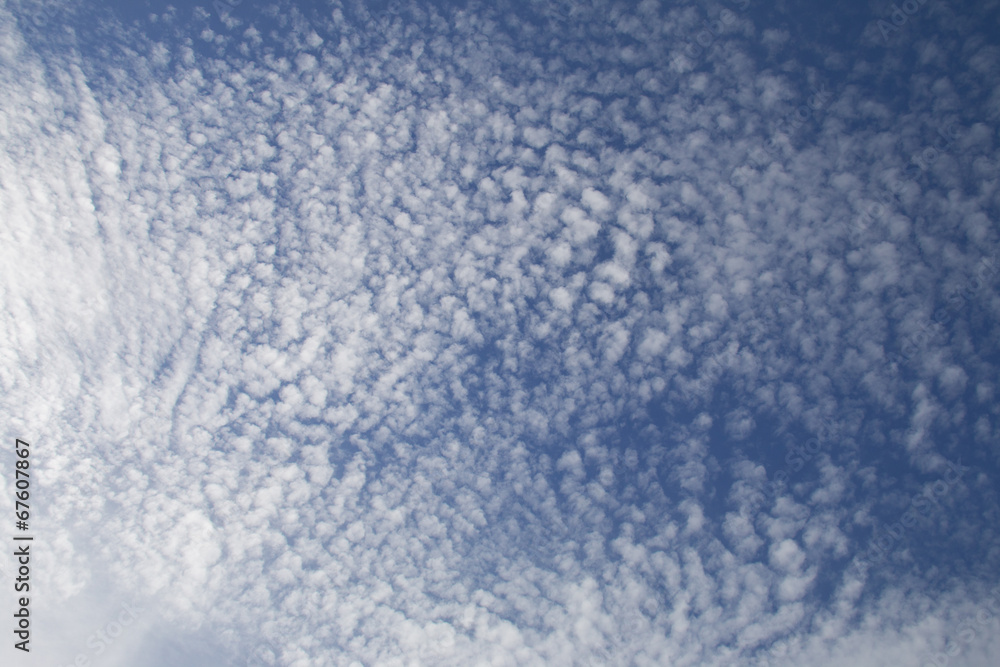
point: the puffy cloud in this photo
(466, 335)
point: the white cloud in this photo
(406, 344)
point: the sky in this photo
(508, 333)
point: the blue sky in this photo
(528, 333)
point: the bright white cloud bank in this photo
(517, 336)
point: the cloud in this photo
(445, 335)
